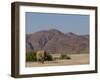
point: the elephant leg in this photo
(42, 60)
(38, 60)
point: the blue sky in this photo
(78, 24)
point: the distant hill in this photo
(55, 41)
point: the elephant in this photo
(40, 56)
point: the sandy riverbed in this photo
(76, 59)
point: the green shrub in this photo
(64, 56)
(68, 57)
(48, 57)
(31, 56)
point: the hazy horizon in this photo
(65, 23)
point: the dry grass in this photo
(76, 59)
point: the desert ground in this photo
(76, 59)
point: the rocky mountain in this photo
(55, 41)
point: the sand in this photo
(76, 59)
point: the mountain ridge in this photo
(55, 41)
